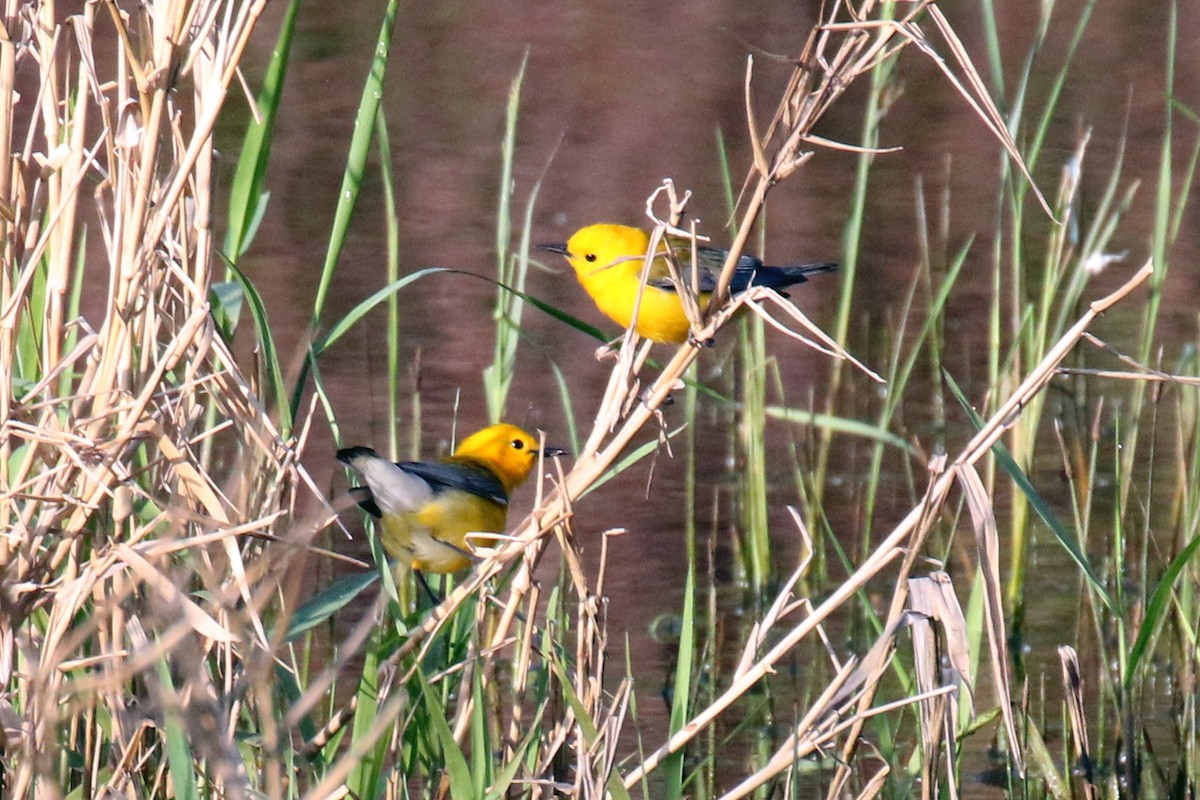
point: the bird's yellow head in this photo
(606, 247)
(506, 450)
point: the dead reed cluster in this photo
(140, 473)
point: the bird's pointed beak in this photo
(551, 452)
(555, 247)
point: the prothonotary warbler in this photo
(608, 260)
(427, 508)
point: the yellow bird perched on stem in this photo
(427, 508)
(608, 261)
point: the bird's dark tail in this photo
(366, 501)
(797, 273)
(779, 277)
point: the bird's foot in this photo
(608, 351)
(668, 399)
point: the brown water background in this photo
(618, 96)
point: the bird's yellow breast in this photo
(615, 291)
(434, 537)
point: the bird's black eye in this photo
(590, 257)
(518, 444)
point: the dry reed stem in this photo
(1121, 375)
(933, 597)
(987, 541)
(1083, 765)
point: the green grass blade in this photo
(630, 458)
(247, 199)
(564, 396)
(1037, 501)
(587, 726)
(362, 309)
(1160, 246)
(1050, 104)
(360, 145)
(751, 443)
(322, 396)
(502, 784)
(266, 340)
(328, 602)
(364, 778)
(557, 313)
(481, 749)
(287, 688)
(354, 315)
(511, 268)
(1188, 177)
(1156, 610)
(178, 747)
(356, 160)
(682, 687)
(835, 424)
(392, 229)
(453, 761)
(227, 299)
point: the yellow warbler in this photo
(427, 508)
(608, 260)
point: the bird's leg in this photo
(667, 400)
(608, 350)
(433, 598)
(701, 344)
